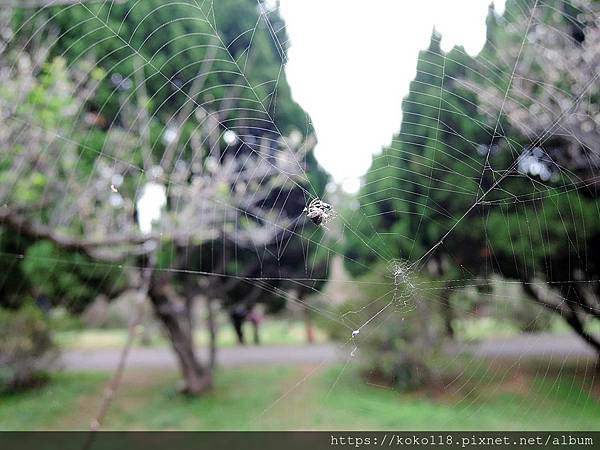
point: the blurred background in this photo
(164, 264)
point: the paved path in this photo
(533, 346)
(524, 346)
(154, 358)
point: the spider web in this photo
(403, 290)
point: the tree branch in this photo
(87, 246)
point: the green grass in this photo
(489, 327)
(41, 408)
(503, 397)
(272, 332)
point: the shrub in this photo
(26, 348)
(60, 319)
(399, 346)
(502, 310)
(401, 349)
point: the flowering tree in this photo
(220, 176)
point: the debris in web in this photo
(404, 286)
(402, 273)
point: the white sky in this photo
(351, 62)
(150, 204)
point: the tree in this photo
(417, 188)
(175, 42)
(477, 182)
(231, 186)
(550, 105)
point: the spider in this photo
(319, 212)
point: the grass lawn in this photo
(482, 328)
(502, 397)
(272, 332)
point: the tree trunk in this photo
(574, 300)
(577, 326)
(174, 315)
(568, 310)
(447, 312)
(310, 330)
(212, 334)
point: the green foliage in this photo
(50, 98)
(26, 347)
(49, 108)
(502, 311)
(417, 188)
(400, 344)
(172, 40)
(431, 180)
(450, 192)
(168, 44)
(68, 278)
(398, 354)
(61, 320)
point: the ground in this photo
(524, 382)
(524, 346)
(499, 395)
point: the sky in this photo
(350, 64)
